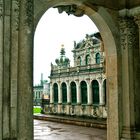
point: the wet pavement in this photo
(45, 130)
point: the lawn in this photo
(37, 110)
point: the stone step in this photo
(96, 123)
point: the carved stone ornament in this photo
(29, 12)
(137, 20)
(71, 9)
(1, 8)
(127, 32)
(15, 5)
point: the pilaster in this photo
(51, 93)
(6, 69)
(14, 67)
(1, 65)
(89, 93)
(101, 94)
(25, 71)
(59, 93)
(128, 40)
(137, 21)
(68, 93)
(137, 73)
(78, 92)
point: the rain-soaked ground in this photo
(45, 130)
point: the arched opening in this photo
(79, 61)
(87, 60)
(95, 91)
(55, 92)
(73, 93)
(108, 31)
(64, 92)
(83, 86)
(98, 57)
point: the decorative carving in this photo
(127, 32)
(15, 6)
(137, 20)
(1, 8)
(94, 113)
(72, 110)
(71, 9)
(29, 12)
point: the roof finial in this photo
(62, 45)
(62, 51)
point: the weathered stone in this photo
(16, 83)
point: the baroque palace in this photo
(80, 90)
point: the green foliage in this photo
(37, 110)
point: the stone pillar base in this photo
(51, 107)
(128, 133)
(59, 108)
(68, 107)
(137, 135)
(78, 109)
(89, 109)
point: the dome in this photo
(62, 61)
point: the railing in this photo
(79, 69)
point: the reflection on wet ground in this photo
(44, 130)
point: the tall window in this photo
(55, 92)
(83, 86)
(98, 58)
(87, 59)
(79, 61)
(73, 92)
(64, 92)
(95, 91)
(104, 90)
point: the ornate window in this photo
(73, 92)
(64, 92)
(79, 61)
(83, 86)
(55, 92)
(98, 58)
(95, 91)
(87, 59)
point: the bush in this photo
(37, 109)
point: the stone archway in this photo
(109, 32)
(18, 20)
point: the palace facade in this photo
(80, 90)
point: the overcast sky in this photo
(52, 31)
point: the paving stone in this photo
(45, 130)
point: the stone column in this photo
(6, 69)
(14, 67)
(137, 21)
(78, 92)
(68, 93)
(127, 36)
(25, 71)
(59, 93)
(137, 74)
(68, 97)
(1, 65)
(101, 94)
(51, 93)
(89, 93)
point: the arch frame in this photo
(109, 31)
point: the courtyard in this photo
(45, 130)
